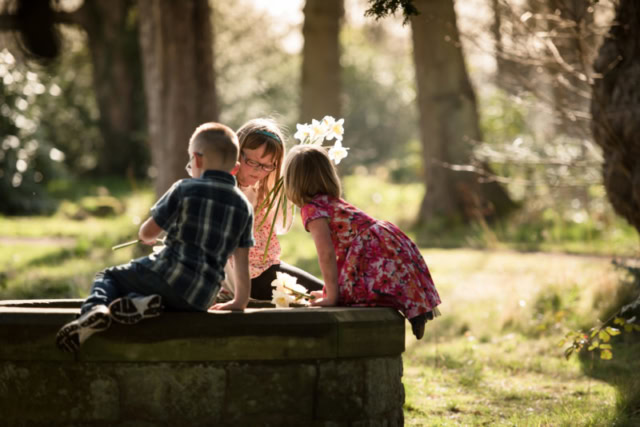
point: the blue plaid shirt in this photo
(206, 219)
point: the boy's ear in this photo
(235, 169)
(199, 161)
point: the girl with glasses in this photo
(262, 153)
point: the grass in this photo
(488, 362)
(491, 359)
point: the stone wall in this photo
(298, 367)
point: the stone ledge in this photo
(28, 328)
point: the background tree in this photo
(177, 45)
(614, 107)
(321, 71)
(449, 122)
(111, 29)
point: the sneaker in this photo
(71, 336)
(130, 310)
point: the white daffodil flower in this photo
(335, 129)
(303, 132)
(317, 132)
(296, 288)
(281, 299)
(338, 152)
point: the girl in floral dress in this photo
(261, 155)
(364, 261)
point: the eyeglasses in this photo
(188, 166)
(257, 165)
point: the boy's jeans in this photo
(134, 280)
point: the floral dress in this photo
(378, 265)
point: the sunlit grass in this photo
(480, 365)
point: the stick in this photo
(124, 245)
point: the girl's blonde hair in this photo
(308, 171)
(253, 134)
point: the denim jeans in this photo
(133, 279)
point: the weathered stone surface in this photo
(175, 393)
(264, 367)
(32, 392)
(272, 392)
(341, 390)
(384, 389)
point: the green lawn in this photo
(491, 359)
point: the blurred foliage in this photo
(257, 77)
(260, 77)
(28, 160)
(379, 101)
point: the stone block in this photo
(341, 390)
(384, 388)
(175, 393)
(32, 392)
(270, 393)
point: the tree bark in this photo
(615, 108)
(449, 123)
(117, 79)
(177, 46)
(321, 59)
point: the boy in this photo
(206, 219)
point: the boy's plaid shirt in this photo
(206, 219)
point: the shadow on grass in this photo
(621, 371)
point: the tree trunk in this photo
(449, 122)
(321, 59)
(177, 45)
(615, 107)
(117, 80)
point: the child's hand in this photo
(231, 305)
(323, 302)
(316, 294)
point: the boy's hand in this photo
(231, 305)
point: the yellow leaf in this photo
(606, 354)
(619, 321)
(636, 327)
(605, 347)
(628, 328)
(613, 331)
(568, 352)
(594, 332)
(604, 336)
(593, 346)
(561, 342)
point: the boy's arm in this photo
(149, 231)
(243, 282)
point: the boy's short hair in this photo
(309, 172)
(216, 140)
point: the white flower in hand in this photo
(296, 288)
(283, 280)
(303, 132)
(281, 299)
(317, 132)
(335, 128)
(338, 152)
